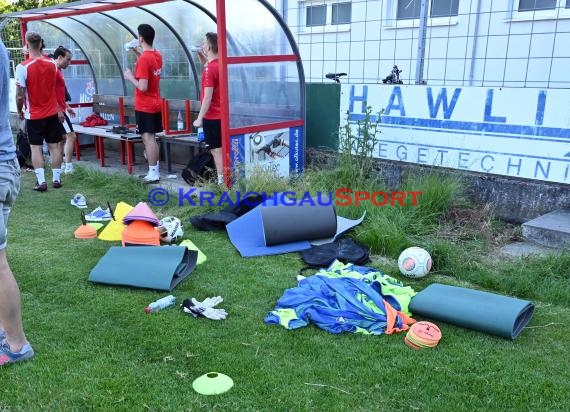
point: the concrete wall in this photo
(514, 200)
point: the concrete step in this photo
(523, 249)
(551, 229)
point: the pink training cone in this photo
(141, 212)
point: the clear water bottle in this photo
(180, 122)
(160, 304)
(133, 44)
(200, 134)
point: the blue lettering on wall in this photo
(463, 159)
(540, 108)
(441, 152)
(517, 166)
(490, 167)
(354, 98)
(396, 93)
(422, 155)
(489, 108)
(545, 173)
(442, 100)
(402, 152)
(382, 150)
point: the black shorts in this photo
(49, 129)
(69, 125)
(213, 132)
(149, 122)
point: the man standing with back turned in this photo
(148, 104)
(14, 346)
(35, 92)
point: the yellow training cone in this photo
(114, 229)
(191, 246)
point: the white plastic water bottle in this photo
(200, 134)
(180, 122)
(133, 44)
(160, 304)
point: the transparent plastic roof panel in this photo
(252, 26)
(178, 80)
(268, 95)
(264, 92)
(104, 63)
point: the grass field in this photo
(97, 350)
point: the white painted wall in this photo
(488, 44)
(516, 132)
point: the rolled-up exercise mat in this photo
(151, 267)
(285, 224)
(473, 309)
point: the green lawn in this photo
(97, 350)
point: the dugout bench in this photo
(122, 108)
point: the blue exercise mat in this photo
(246, 234)
(151, 267)
(473, 309)
(273, 228)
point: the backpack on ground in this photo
(219, 220)
(344, 249)
(23, 150)
(200, 167)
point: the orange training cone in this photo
(85, 231)
(140, 232)
(423, 335)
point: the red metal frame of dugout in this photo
(223, 59)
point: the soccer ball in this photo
(414, 262)
(171, 229)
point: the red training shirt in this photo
(149, 67)
(211, 78)
(38, 76)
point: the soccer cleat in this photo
(40, 187)
(79, 201)
(56, 184)
(99, 215)
(7, 356)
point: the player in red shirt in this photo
(37, 103)
(210, 117)
(148, 104)
(62, 57)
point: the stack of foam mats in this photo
(151, 267)
(473, 309)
